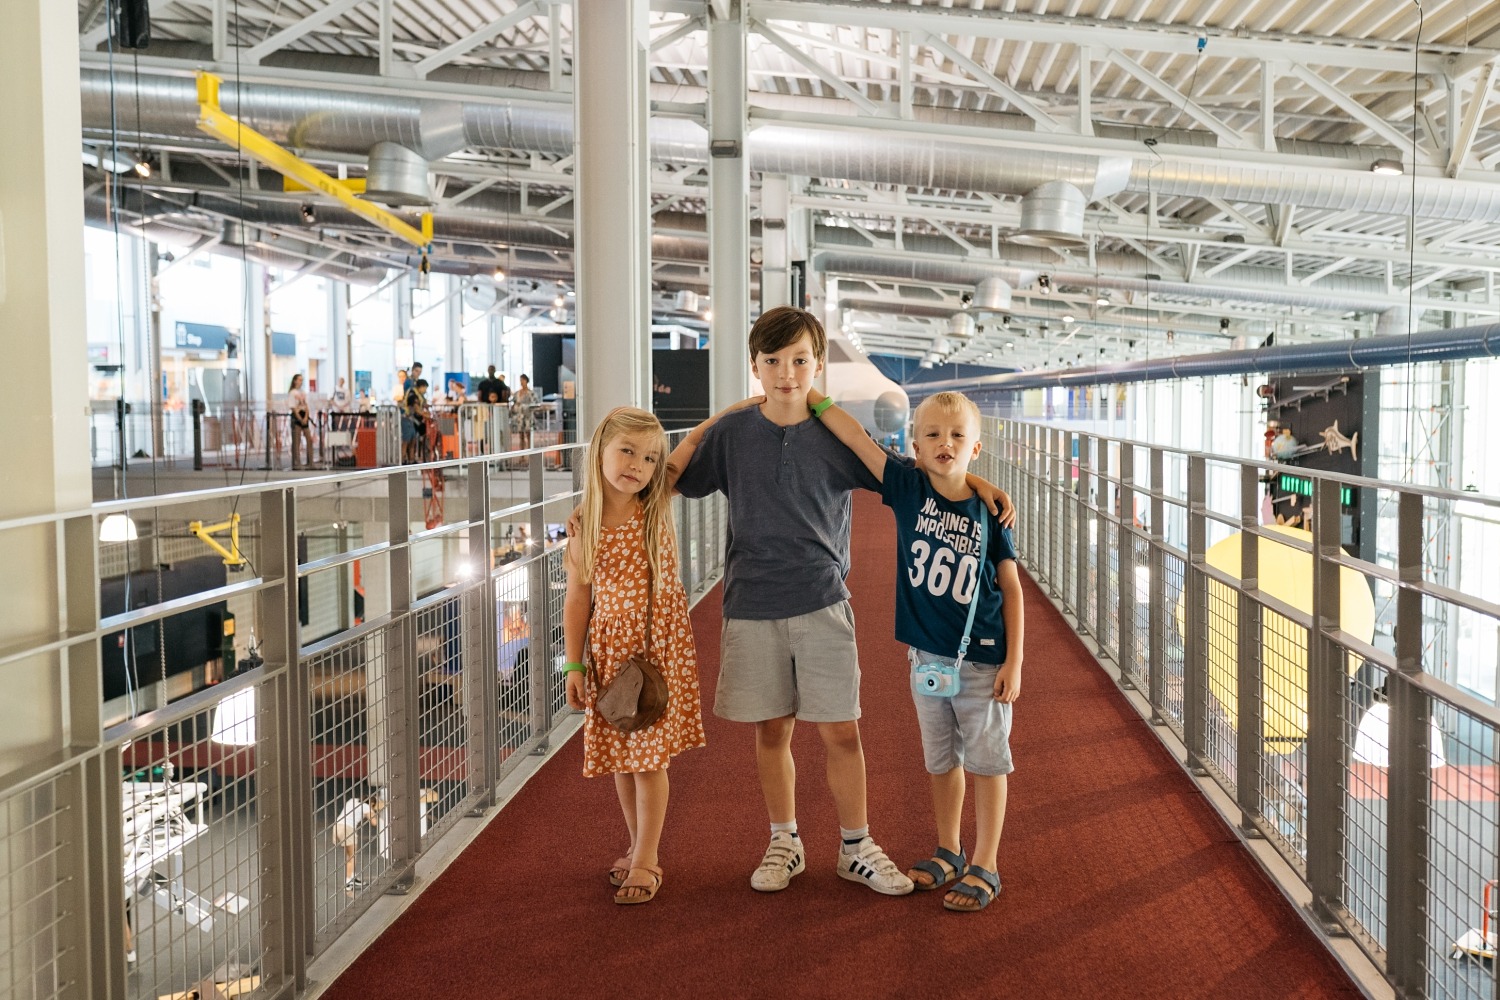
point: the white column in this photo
(340, 347)
(775, 247)
(453, 328)
(728, 208)
(612, 164)
(41, 312)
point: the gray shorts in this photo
(971, 730)
(807, 666)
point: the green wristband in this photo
(818, 408)
(569, 668)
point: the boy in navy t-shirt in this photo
(943, 566)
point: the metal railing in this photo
(1372, 776)
(222, 840)
(241, 436)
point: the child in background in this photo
(788, 651)
(345, 832)
(942, 569)
(622, 560)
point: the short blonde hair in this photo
(947, 402)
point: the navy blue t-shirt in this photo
(937, 552)
(789, 511)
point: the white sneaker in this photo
(869, 864)
(783, 860)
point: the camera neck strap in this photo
(963, 645)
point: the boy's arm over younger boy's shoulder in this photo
(851, 434)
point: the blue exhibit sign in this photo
(202, 336)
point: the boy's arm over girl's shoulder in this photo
(682, 455)
(851, 434)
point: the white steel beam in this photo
(287, 35)
(475, 38)
(1059, 29)
(1358, 111)
(1019, 101)
(1463, 139)
(1229, 136)
(821, 72)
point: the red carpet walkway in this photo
(1119, 879)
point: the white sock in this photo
(852, 838)
(784, 828)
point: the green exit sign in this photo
(1302, 486)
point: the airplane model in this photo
(879, 404)
(1334, 441)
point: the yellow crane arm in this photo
(218, 123)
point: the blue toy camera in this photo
(935, 680)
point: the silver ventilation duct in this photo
(1236, 284)
(397, 176)
(342, 121)
(992, 295)
(1052, 216)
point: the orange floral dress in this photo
(617, 629)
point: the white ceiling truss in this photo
(1246, 130)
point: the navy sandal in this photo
(982, 897)
(940, 878)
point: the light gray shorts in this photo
(971, 730)
(807, 666)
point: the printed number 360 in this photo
(942, 574)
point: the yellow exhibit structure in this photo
(1286, 573)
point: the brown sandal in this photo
(619, 871)
(650, 881)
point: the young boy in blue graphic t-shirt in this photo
(945, 563)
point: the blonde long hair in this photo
(655, 498)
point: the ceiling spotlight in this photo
(708, 315)
(1067, 317)
(309, 217)
(1223, 322)
(499, 274)
(1044, 284)
(965, 300)
(1388, 168)
(1010, 345)
(142, 166)
(558, 302)
(1102, 301)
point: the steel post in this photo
(1195, 615)
(1249, 719)
(538, 614)
(1156, 641)
(1327, 696)
(1410, 747)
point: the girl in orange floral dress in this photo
(623, 548)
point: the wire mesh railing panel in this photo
(513, 642)
(1094, 527)
(1108, 559)
(1136, 663)
(557, 585)
(36, 919)
(1283, 766)
(1462, 818)
(1367, 805)
(1221, 657)
(194, 823)
(351, 775)
(442, 730)
(1174, 652)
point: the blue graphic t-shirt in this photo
(939, 565)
